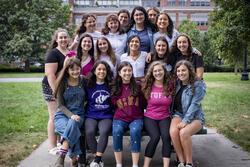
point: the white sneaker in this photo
(181, 164)
(54, 151)
(189, 165)
(101, 164)
(94, 164)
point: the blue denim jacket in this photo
(191, 103)
(133, 31)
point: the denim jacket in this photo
(133, 31)
(191, 103)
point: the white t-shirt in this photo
(138, 64)
(170, 40)
(118, 43)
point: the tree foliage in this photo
(26, 26)
(229, 30)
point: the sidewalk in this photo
(21, 79)
(211, 150)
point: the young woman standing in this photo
(53, 65)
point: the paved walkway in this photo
(211, 150)
(21, 79)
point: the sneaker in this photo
(94, 164)
(189, 165)
(181, 164)
(54, 151)
(101, 164)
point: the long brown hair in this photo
(110, 51)
(191, 71)
(168, 85)
(111, 17)
(189, 50)
(82, 29)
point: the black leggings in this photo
(104, 128)
(157, 129)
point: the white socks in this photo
(135, 166)
(118, 165)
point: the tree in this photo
(230, 29)
(190, 28)
(26, 26)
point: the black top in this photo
(54, 56)
(177, 100)
(196, 60)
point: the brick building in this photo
(179, 10)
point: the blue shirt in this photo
(98, 102)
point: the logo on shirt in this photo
(100, 97)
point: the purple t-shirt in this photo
(128, 107)
(158, 104)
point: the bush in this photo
(8, 68)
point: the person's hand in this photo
(148, 58)
(181, 125)
(76, 118)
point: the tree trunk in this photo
(27, 65)
(235, 69)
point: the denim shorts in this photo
(181, 115)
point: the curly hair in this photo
(82, 29)
(91, 78)
(117, 83)
(109, 53)
(168, 84)
(114, 18)
(191, 71)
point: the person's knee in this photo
(118, 130)
(184, 134)
(134, 131)
(174, 132)
(155, 139)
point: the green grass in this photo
(23, 114)
(227, 105)
(22, 122)
(21, 75)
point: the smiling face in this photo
(139, 17)
(86, 44)
(123, 19)
(62, 39)
(162, 22)
(90, 24)
(74, 72)
(152, 14)
(100, 73)
(161, 48)
(158, 73)
(182, 73)
(113, 25)
(182, 44)
(126, 74)
(134, 44)
(103, 46)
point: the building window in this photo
(82, 2)
(182, 2)
(171, 3)
(106, 3)
(200, 3)
(129, 2)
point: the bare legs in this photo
(181, 138)
(51, 129)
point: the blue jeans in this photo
(70, 131)
(120, 127)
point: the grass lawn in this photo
(24, 115)
(21, 75)
(22, 121)
(227, 106)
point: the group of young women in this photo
(138, 72)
